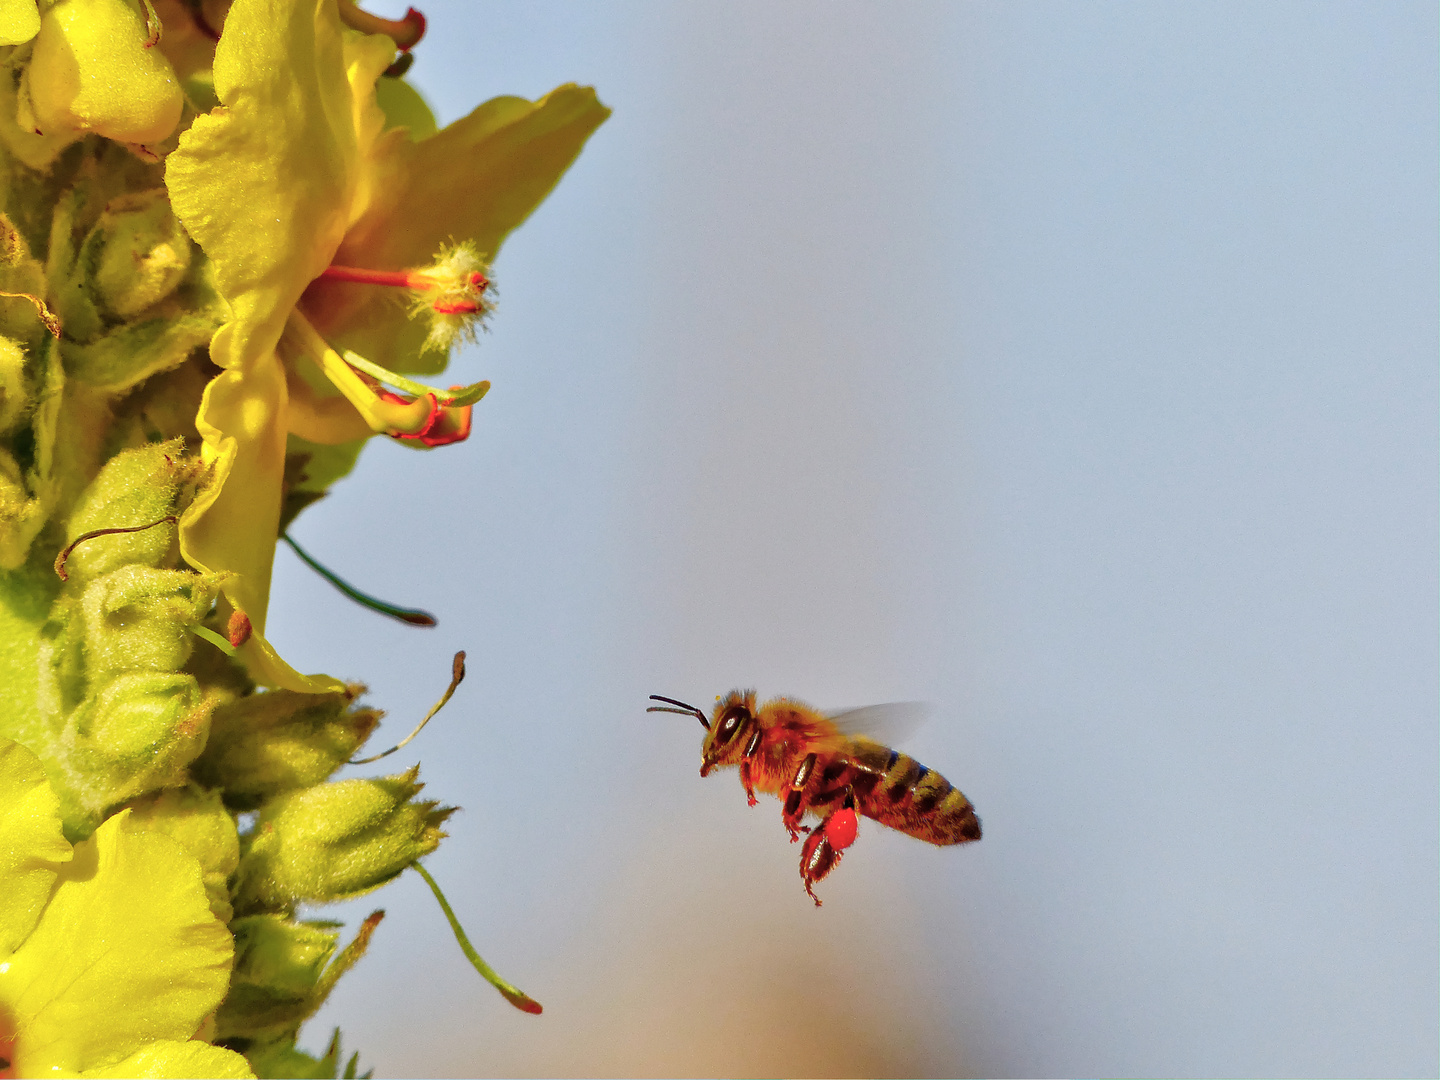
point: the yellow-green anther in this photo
(269, 743)
(335, 841)
(91, 71)
(140, 252)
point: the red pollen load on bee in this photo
(841, 828)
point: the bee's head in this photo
(727, 733)
(731, 725)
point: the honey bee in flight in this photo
(817, 765)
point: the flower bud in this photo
(335, 841)
(278, 964)
(22, 515)
(137, 734)
(269, 743)
(92, 70)
(136, 487)
(140, 618)
(15, 395)
(23, 280)
(196, 819)
(137, 252)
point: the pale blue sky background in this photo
(1068, 366)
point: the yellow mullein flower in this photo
(110, 958)
(293, 167)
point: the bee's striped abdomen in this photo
(906, 795)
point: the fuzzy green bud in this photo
(139, 733)
(23, 280)
(136, 487)
(197, 820)
(137, 617)
(334, 841)
(140, 254)
(17, 507)
(278, 964)
(14, 393)
(265, 744)
(93, 70)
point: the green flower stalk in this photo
(200, 205)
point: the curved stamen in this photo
(406, 32)
(413, 616)
(521, 1000)
(457, 673)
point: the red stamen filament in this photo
(406, 32)
(403, 279)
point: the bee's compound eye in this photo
(731, 722)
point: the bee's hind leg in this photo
(817, 858)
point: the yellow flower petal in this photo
(126, 952)
(233, 522)
(264, 183)
(32, 848)
(476, 181)
(167, 1058)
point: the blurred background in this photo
(1070, 367)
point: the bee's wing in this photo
(889, 723)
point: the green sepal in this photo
(278, 964)
(140, 617)
(282, 1059)
(277, 741)
(138, 733)
(284, 971)
(335, 841)
(137, 252)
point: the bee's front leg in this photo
(795, 800)
(745, 760)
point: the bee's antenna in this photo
(683, 710)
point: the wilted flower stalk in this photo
(203, 207)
